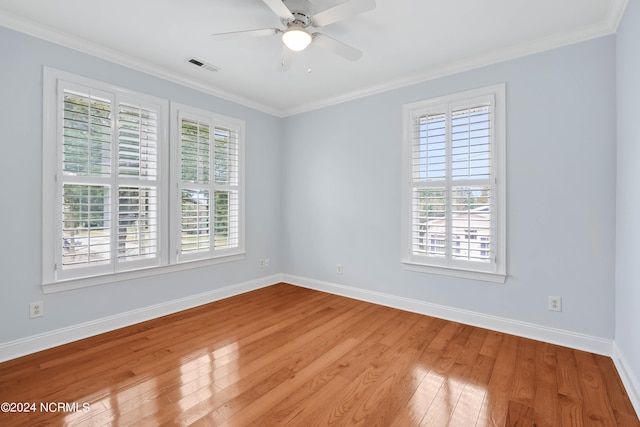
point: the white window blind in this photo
(195, 143)
(226, 160)
(85, 187)
(138, 193)
(209, 185)
(455, 183)
(106, 181)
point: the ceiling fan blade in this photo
(246, 34)
(279, 8)
(337, 47)
(285, 59)
(342, 11)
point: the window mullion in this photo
(448, 189)
(114, 206)
(216, 186)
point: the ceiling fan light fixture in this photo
(296, 38)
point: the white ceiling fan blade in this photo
(337, 47)
(285, 59)
(246, 34)
(342, 11)
(279, 8)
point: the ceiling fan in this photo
(298, 17)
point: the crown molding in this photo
(67, 40)
(607, 27)
(512, 52)
(616, 12)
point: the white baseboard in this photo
(629, 378)
(35, 343)
(501, 324)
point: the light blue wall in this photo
(342, 192)
(628, 193)
(22, 60)
(324, 188)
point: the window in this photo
(107, 200)
(454, 191)
(208, 199)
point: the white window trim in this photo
(67, 285)
(421, 264)
(50, 251)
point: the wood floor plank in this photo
(495, 406)
(519, 415)
(620, 403)
(401, 378)
(441, 409)
(448, 345)
(492, 344)
(524, 387)
(547, 411)
(470, 401)
(570, 400)
(285, 355)
(597, 405)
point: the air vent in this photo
(203, 64)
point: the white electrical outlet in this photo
(36, 309)
(262, 263)
(555, 304)
(339, 269)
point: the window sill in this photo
(85, 282)
(484, 276)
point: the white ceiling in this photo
(404, 41)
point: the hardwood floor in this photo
(285, 355)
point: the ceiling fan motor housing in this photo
(302, 12)
(299, 19)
